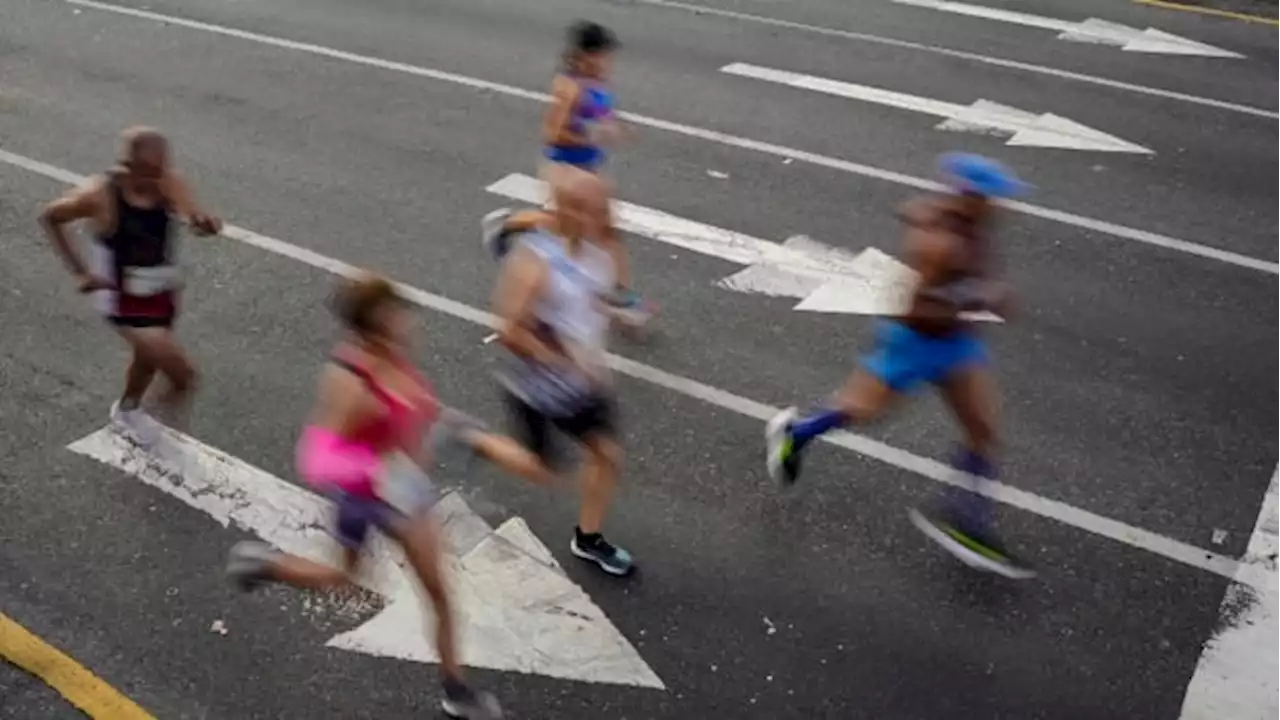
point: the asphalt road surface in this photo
(1138, 380)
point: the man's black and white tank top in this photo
(138, 256)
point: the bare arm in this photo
(82, 203)
(931, 254)
(343, 403)
(180, 197)
(519, 284)
(555, 122)
(917, 212)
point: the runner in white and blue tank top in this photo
(553, 324)
(577, 128)
(569, 319)
(932, 340)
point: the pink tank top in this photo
(404, 420)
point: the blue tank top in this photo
(595, 103)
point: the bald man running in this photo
(553, 322)
(130, 210)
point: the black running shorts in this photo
(532, 427)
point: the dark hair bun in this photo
(357, 300)
(589, 37)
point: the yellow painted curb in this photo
(79, 686)
(1209, 11)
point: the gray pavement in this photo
(24, 696)
(1138, 381)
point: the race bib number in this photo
(148, 281)
(404, 486)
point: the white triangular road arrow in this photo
(1091, 30)
(1025, 128)
(1152, 40)
(1049, 130)
(518, 611)
(883, 286)
(544, 625)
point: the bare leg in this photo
(422, 545)
(303, 573)
(863, 398)
(600, 465)
(137, 379)
(964, 527)
(599, 480)
(617, 251)
(156, 348)
(251, 563)
(511, 457)
(970, 393)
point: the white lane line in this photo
(1237, 674)
(1106, 527)
(1101, 226)
(975, 57)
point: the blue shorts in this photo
(903, 358)
(356, 513)
(584, 157)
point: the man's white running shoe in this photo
(136, 425)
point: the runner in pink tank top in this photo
(364, 448)
(350, 461)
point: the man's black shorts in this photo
(532, 428)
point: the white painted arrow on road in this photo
(517, 609)
(1027, 129)
(826, 279)
(1236, 676)
(689, 235)
(1092, 30)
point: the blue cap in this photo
(975, 173)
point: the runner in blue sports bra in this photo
(932, 341)
(593, 105)
(577, 129)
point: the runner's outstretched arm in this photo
(514, 299)
(178, 193)
(82, 203)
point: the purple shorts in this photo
(355, 513)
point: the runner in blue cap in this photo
(931, 340)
